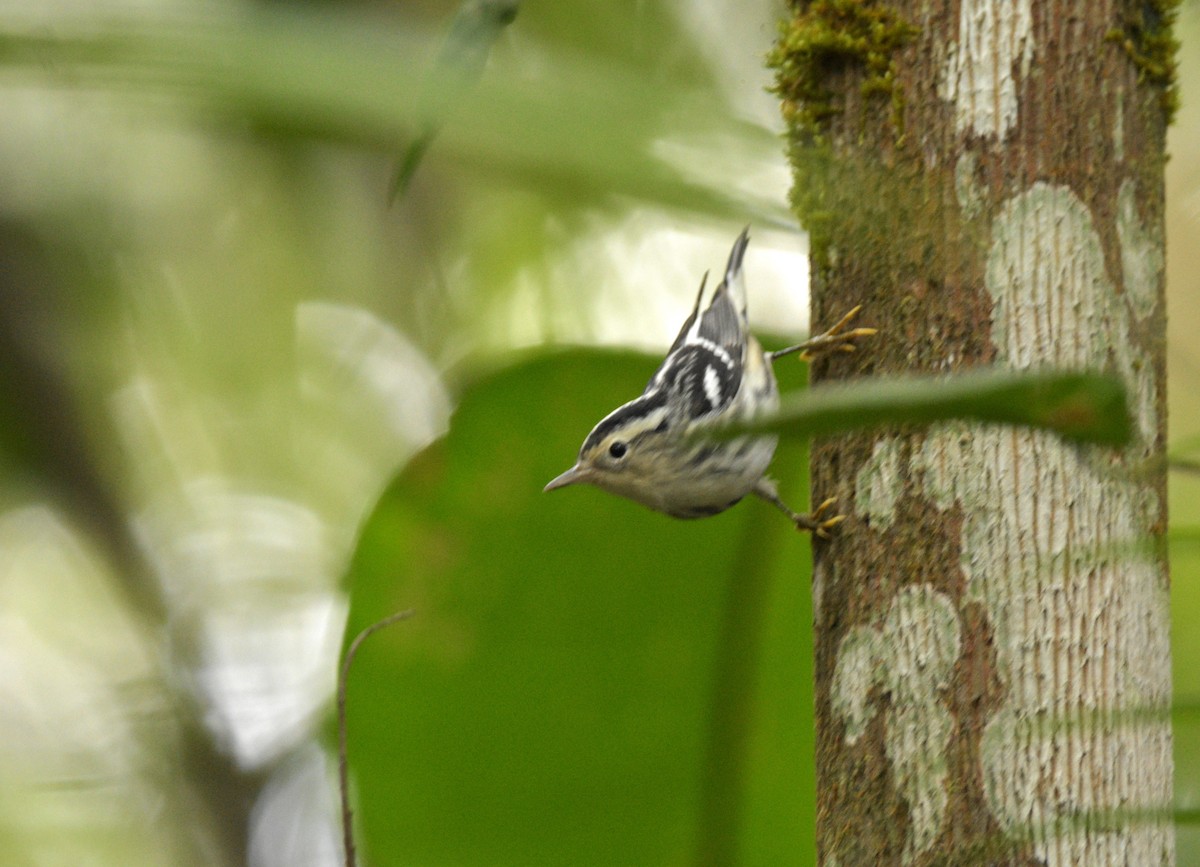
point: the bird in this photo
(649, 449)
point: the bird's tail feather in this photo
(734, 279)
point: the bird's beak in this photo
(571, 477)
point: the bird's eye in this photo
(618, 449)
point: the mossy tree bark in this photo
(993, 674)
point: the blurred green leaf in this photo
(583, 681)
(1189, 536)
(585, 125)
(1085, 407)
(476, 26)
(1183, 465)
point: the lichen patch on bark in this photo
(878, 483)
(1054, 301)
(911, 655)
(1141, 254)
(1070, 602)
(993, 38)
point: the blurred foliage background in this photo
(250, 404)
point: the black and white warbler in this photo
(714, 372)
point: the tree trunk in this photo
(992, 659)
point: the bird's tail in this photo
(734, 279)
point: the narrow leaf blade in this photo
(1086, 407)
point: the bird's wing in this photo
(703, 369)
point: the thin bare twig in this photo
(343, 763)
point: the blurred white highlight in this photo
(249, 579)
(266, 672)
(636, 282)
(351, 360)
(295, 820)
(250, 576)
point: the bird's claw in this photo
(813, 522)
(836, 339)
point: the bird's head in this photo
(626, 453)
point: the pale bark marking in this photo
(967, 191)
(1080, 626)
(993, 36)
(1141, 254)
(859, 658)
(879, 483)
(1046, 257)
(911, 654)
(1118, 124)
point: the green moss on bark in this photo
(1147, 34)
(824, 37)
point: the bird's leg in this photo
(813, 522)
(836, 339)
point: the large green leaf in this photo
(584, 681)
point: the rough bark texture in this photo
(993, 675)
